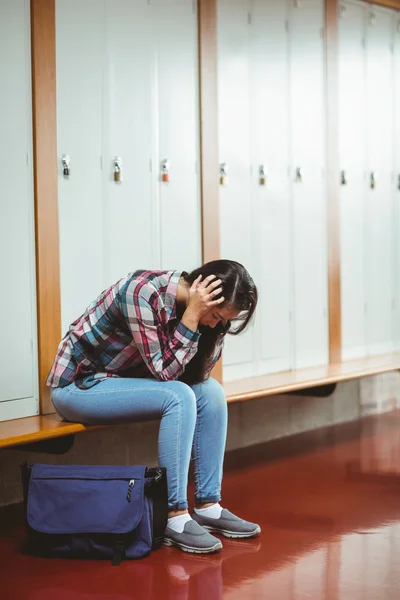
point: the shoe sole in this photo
(192, 549)
(233, 534)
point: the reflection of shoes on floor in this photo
(181, 567)
(246, 546)
(178, 573)
(194, 539)
(228, 525)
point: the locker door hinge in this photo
(287, 26)
(249, 18)
(27, 159)
(150, 165)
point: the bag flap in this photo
(85, 499)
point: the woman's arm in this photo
(165, 354)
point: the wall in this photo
(250, 422)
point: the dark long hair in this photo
(240, 292)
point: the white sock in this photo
(212, 512)
(178, 523)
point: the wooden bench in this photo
(35, 429)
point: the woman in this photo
(144, 349)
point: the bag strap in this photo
(118, 551)
(159, 494)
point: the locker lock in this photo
(372, 180)
(299, 175)
(223, 174)
(343, 177)
(118, 169)
(165, 167)
(263, 175)
(65, 162)
(372, 19)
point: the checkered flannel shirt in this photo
(130, 330)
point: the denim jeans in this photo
(193, 423)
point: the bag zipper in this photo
(130, 488)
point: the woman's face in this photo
(219, 314)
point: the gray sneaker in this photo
(194, 538)
(228, 525)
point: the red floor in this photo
(329, 507)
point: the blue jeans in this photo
(193, 423)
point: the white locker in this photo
(270, 150)
(236, 200)
(176, 40)
(130, 217)
(396, 82)
(352, 152)
(379, 201)
(271, 116)
(127, 98)
(80, 47)
(369, 265)
(18, 376)
(309, 188)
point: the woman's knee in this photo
(214, 396)
(180, 396)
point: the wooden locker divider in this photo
(332, 112)
(209, 172)
(386, 3)
(44, 113)
(207, 27)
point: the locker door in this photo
(237, 233)
(130, 234)
(352, 140)
(379, 204)
(175, 24)
(17, 271)
(396, 82)
(270, 135)
(309, 184)
(80, 49)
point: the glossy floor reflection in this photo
(329, 506)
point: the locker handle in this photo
(118, 169)
(398, 181)
(66, 162)
(343, 178)
(372, 179)
(263, 175)
(223, 174)
(299, 175)
(165, 168)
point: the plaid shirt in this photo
(130, 330)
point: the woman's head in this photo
(232, 316)
(238, 289)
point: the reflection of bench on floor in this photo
(316, 381)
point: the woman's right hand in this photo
(202, 294)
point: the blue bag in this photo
(94, 511)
